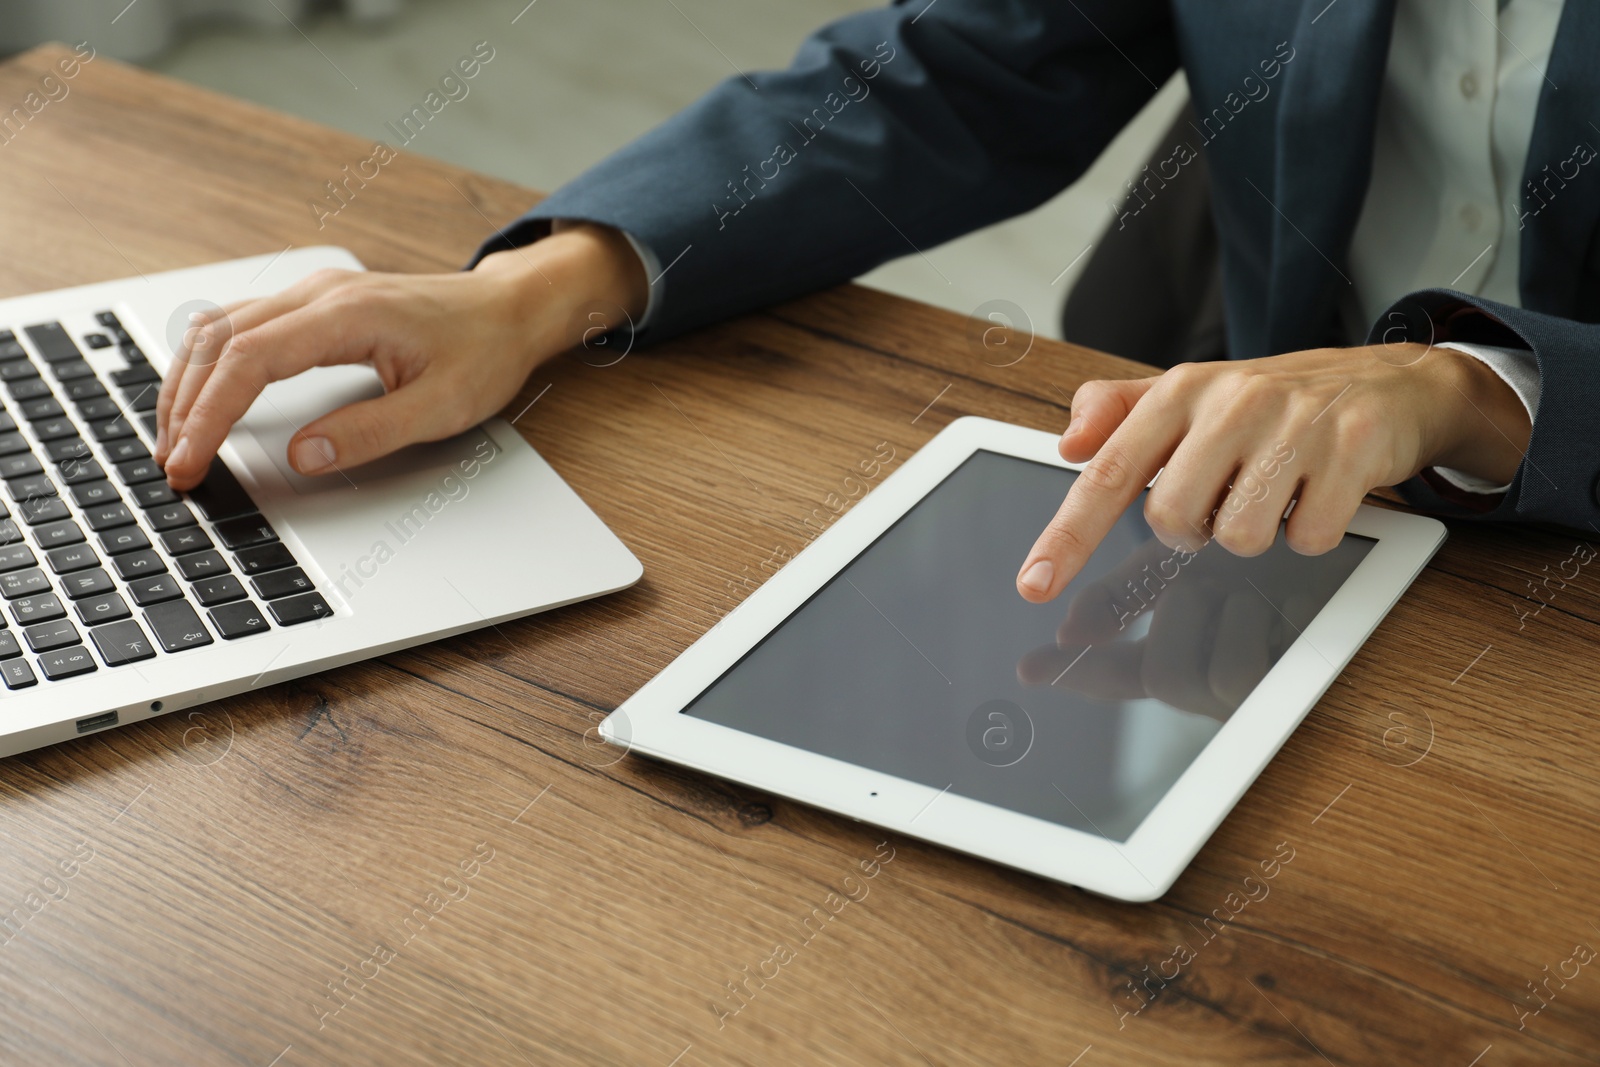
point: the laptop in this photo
(123, 599)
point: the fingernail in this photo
(1038, 576)
(313, 455)
(180, 452)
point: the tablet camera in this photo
(1000, 733)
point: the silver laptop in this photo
(123, 600)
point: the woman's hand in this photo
(1237, 441)
(451, 349)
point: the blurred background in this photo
(571, 80)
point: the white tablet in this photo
(890, 672)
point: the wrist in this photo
(554, 291)
(1487, 425)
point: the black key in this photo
(138, 563)
(90, 494)
(18, 370)
(136, 375)
(97, 340)
(54, 428)
(141, 397)
(122, 642)
(44, 408)
(107, 607)
(67, 448)
(9, 349)
(282, 583)
(56, 533)
(197, 565)
(43, 509)
(220, 496)
(176, 626)
(52, 342)
(185, 539)
(244, 531)
(140, 470)
(28, 389)
(218, 590)
(9, 534)
(85, 389)
(123, 539)
(154, 590)
(14, 584)
(80, 584)
(17, 673)
(129, 448)
(48, 635)
(153, 494)
(147, 419)
(108, 319)
(297, 609)
(171, 516)
(263, 558)
(66, 663)
(7, 423)
(237, 620)
(132, 353)
(9, 646)
(105, 516)
(112, 429)
(15, 466)
(14, 557)
(12, 443)
(72, 370)
(120, 335)
(42, 608)
(30, 487)
(99, 408)
(70, 558)
(80, 470)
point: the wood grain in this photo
(282, 878)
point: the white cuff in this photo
(1518, 369)
(652, 270)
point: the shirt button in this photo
(1469, 85)
(1471, 216)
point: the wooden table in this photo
(428, 859)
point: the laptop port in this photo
(96, 722)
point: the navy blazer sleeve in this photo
(892, 131)
(1557, 480)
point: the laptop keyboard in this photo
(102, 564)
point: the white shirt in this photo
(1459, 98)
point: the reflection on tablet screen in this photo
(920, 660)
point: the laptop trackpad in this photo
(286, 406)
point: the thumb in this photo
(370, 429)
(1098, 408)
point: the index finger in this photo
(1112, 480)
(318, 334)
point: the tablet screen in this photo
(920, 660)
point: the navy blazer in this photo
(903, 127)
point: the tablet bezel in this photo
(1143, 867)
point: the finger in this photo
(204, 347)
(195, 336)
(370, 429)
(1117, 474)
(1327, 503)
(1185, 500)
(1098, 408)
(1243, 650)
(1252, 511)
(320, 334)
